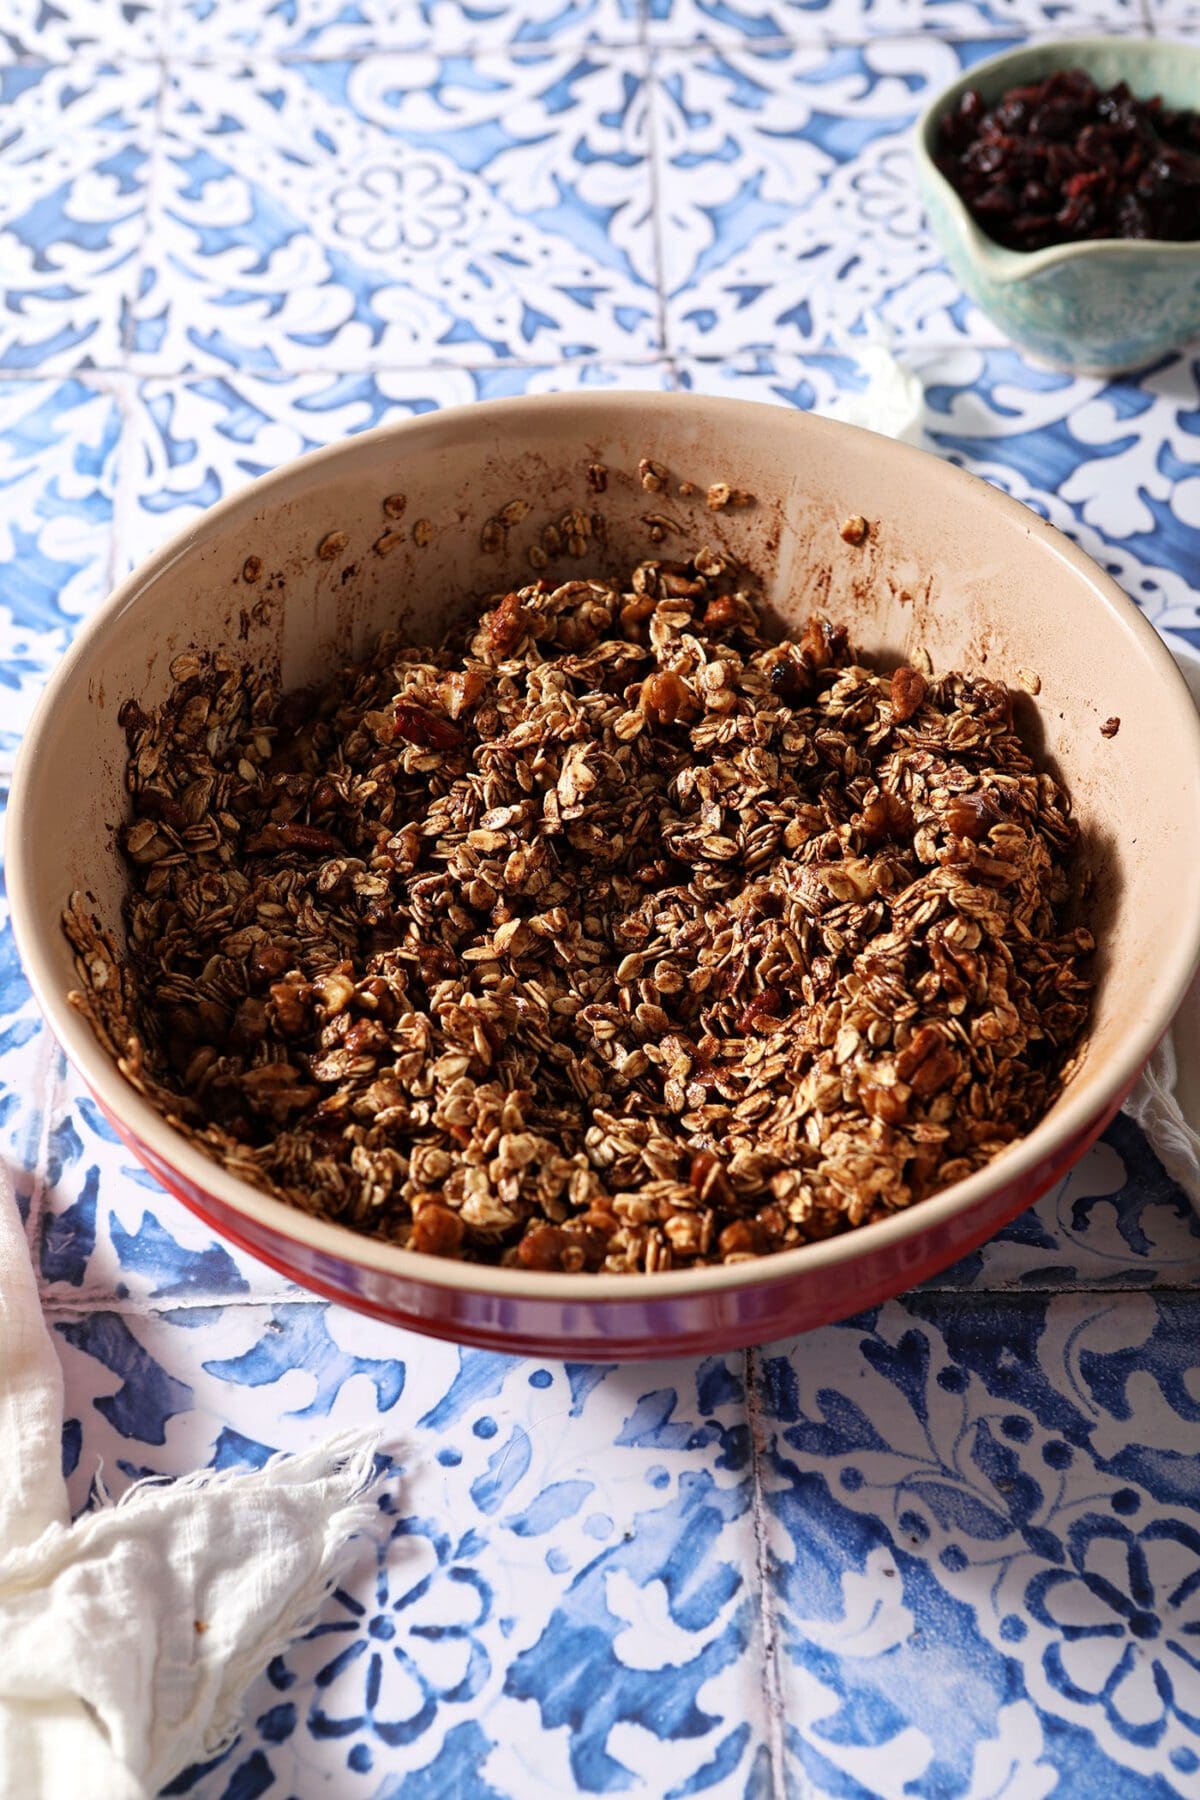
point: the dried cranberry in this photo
(1060, 161)
(791, 679)
(417, 725)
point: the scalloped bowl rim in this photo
(1076, 1112)
(1012, 266)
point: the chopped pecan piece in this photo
(436, 1231)
(821, 642)
(721, 613)
(888, 816)
(507, 625)
(909, 688)
(972, 815)
(664, 697)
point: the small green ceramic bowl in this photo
(1094, 308)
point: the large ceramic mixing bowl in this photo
(950, 565)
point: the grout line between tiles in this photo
(90, 1302)
(104, 373)
(106, 376)
(655, 189)
(250, 57)
(639, 37)
(102, 1300)
(858, 37)
(153, 176)
(245, 56)
(125, 479)
(772, 1687)
(166, 22)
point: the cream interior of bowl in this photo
(950, 565)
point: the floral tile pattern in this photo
(400, 210)
(58, 457)
(564, 1575)
(788, 207)
(72, 215)
(803, 21)
(1115, 465)
(948, 1549)
(995, 1514)
(35, 31)
(206, 28)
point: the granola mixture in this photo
(610, 935)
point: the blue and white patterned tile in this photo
(732, 22)
(193, 441)
(1117, 1220)
(58, 459)
(1175, 19)
(563, 1581)
(35, 31)
(788, 206)
(400, 210)
(985, 1545)
(1115, 464)
(813, 381)
(26, 1059)
(103, 1227)
(202, 29)
(72, 215)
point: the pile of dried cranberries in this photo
(1062, 160)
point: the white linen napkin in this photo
(129, 1638)
(893, 401)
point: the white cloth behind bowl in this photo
(893, 400)
(128, 1639)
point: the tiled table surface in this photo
(949, 1548)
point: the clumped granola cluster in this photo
(609, 935)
